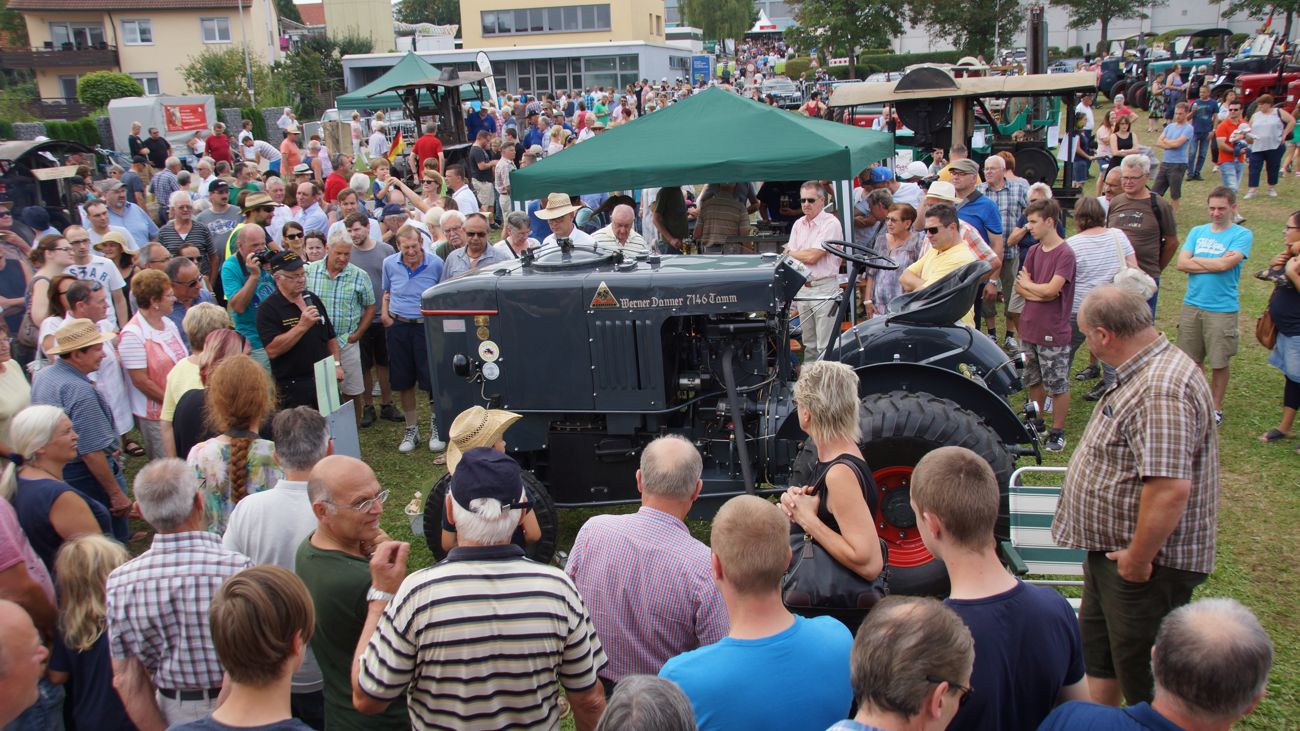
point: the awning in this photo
(851, 95)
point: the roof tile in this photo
(81, 5)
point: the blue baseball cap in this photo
(485, 472)
(881, 175)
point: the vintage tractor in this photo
(601, 353)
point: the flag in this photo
(397, 148)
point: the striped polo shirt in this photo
(484, 640)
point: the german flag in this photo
(397, 148)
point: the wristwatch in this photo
(375, 595)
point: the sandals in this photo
(1274, 435)
(133, 449)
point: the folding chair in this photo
(1031, 553)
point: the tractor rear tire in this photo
(898, 429)
(539, 502)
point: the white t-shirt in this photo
(577, 236)
(1096, 260)
(110, 379)
(466, 201)
(132, 349)
(106, 273)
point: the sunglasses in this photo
(293, 237)
(429, 182)
(192, 283)
(477, 234)
(809, 200)
(5, 214)
(965, 690)
(932, 230)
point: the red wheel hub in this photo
(905, 547)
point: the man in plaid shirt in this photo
(349, 299)
(1011, 195)
(165, 665)
(1140, 495)
(646, 581)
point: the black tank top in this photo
(865, 482)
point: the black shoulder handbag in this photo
(816, 581)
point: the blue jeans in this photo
(1271, 158)
(1202, 145)
(46, 714)
(1156, 296)
(1231, 174)
(80, 477)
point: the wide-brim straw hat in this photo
(943, 190)
(115, 237)
(256, 200)
(476, 427)
(76, 334)
(557, 204)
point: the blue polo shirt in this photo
(134, 219)
(59, 384)
(405, 287)
(1173, 131)
(233, 276)
(983, 214)
(1216, 291)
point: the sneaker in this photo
(1090, 373)
(1249, 194)
(1272, 192)
(391, 413)
(1096, 391)
(409, 438)
(1011, 345)
(1055, 441)
(1218, 417)
(367, 416)
(1239, 219)
(435, 444)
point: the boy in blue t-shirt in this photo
(1212, 257)
(1176, 141)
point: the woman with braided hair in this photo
(236, 462)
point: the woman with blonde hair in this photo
(236, 462)
(49, 510)
(836, 511)
(189, 418)
(201, 321)
(150, 346)
(82, 654)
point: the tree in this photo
(719, 19)
(1086, 13)
(97, 88)
(287, 9)
(438, 12)
(843, 27)
(1261, 9)
(222, 74)
(974, 27)
(313, 72)
(13, 28)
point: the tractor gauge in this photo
(491, 371)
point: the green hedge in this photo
(900, 61)
(797, 66)
(6, 130)
(259, 122)
(80, 130)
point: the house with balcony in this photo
(149, 39)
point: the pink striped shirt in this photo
(805, 234)
(648, 586)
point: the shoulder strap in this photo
(1119, 247)
(1160, 220)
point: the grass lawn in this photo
(1260, 485)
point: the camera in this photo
(263, 256)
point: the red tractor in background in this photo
(1283, 85)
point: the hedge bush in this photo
(900, 61)
(6, 130)
(97, 88)
(797, 66)
(79, 130)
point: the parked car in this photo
(784, 90)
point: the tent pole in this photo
(844, 206)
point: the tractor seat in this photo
(944, 302)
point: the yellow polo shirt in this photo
(935, 265)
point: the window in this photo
(681, 63)
(137, 32)
(563, 19)
(149, 82)
(68, 87)
(76, 35)
(215, 30)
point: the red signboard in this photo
(185, 117)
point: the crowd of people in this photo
(179, 316)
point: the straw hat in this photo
(943, 190)
(292, 129)
(77, 334)
(557, 204)
(256, 200)
(476, 427)
(115, 237)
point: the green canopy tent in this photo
(711, 137)
(411, 68)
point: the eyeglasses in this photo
(965, 690)
(65, 249)
(1131, 178)
(5, 214)
(293, 237)
(932, 230)
(809, 200)
(893, 219)
(192, 283)
(365, 505)
(78, 242)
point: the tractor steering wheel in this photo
(865, 255)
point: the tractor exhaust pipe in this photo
(737, 414)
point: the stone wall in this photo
(28, 130)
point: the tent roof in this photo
(410, 68)
(871, 92)
(711, 137)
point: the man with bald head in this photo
(621, 233)
(1211, 661)
(22, 661)
(247, 283)
(334, 563)
(1141, 495)
(619, 562)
